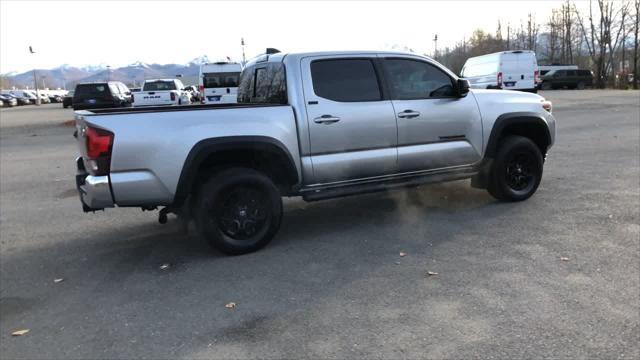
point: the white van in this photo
(219, 82)
(510, 70)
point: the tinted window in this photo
(584, 72)
(159, 86)
(263, 84)
(218, 80)
(411, 79)
(345, 80)
(560, 73)
(571, 73)
(91, 90)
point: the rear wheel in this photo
(546, 86)
(516, 171)
(238, 210)
(580, 85)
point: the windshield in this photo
(221, 80)
(159, 86)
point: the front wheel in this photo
(238, 210)
(546, 86)
(516, 171)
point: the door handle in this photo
(326, 119)
(408, 114)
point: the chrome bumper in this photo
(95, 192)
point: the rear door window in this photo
(263, 84)
(345, 80)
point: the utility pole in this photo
(244, 61)
(35, 79)
(108, 72)
(435, 47)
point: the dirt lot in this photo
(332, 283)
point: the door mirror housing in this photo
(462, 87)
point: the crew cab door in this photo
(436, 128)
(352, 127)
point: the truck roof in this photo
(279, 57)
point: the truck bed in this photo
(164, 108)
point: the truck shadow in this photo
(323, 248)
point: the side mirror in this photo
(462, 87)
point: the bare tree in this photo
(599, 36)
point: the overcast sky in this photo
(118, 33)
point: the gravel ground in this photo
(333, 284)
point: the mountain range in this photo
(66, 76)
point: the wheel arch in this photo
(258, 152)
(527, 124)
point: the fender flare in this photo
(207, 147)
(508, 119)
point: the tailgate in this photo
(150, 98)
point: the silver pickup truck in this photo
(316, 125)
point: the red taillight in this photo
(536, 77)
(201, 88)
(499, 80)
(173, 96)
(99, 144)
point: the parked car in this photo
(316, 125)
(101, 95)
(571, 79)
(26, 95)
(193, 92)
(8, 101)
(55, 98)
(156, 92)
(44, 99)
(19, 100)
(510, 70)
(68, 99)
(218, 82)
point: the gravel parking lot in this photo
(555, 276)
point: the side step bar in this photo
(355, 189)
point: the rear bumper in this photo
(95, 191)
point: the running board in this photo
(356, 189)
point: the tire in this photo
(580, 86)
(238, 210)
(546, 86)
(516, 170)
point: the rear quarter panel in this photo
(150, 149)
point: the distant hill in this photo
(132, 75)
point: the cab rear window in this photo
(159, 86)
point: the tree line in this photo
(604, 39)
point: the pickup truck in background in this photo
(158, 92)
(316, 125)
